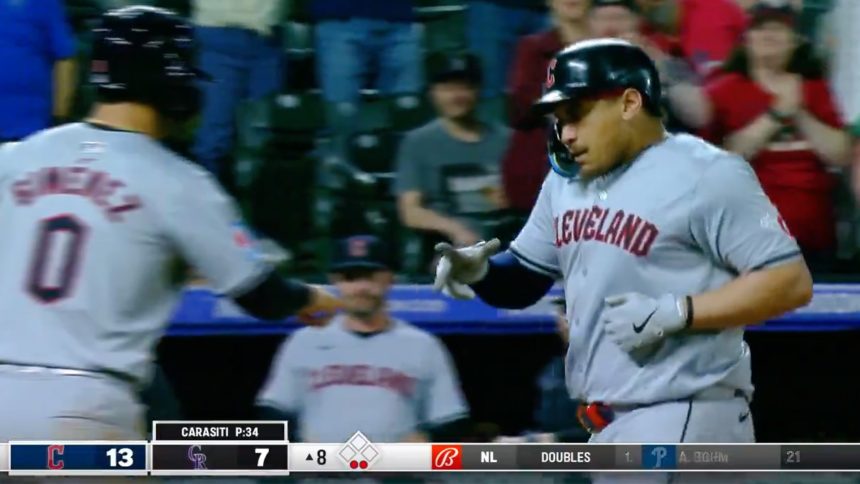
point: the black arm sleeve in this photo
(450, 431)
(511, 285)
(275, 298)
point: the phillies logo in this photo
(550, 74)
(447, 457)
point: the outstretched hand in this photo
(457, 268)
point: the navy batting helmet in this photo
(591, 68)
(146, 54)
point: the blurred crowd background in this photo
(409, 119)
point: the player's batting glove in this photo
(457, 268)
(634, 320)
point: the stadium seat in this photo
(373, 151)
(297, 36)
(370, 113)
(409, 111)
(444, 26)
(300, 72)
(280, 205)
(297, 112)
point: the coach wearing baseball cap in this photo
(366, 371)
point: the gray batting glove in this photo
(457, 268)
(634, 320)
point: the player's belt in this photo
(596, 416)
(53, 370)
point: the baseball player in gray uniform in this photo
(366, 371)
(667, 247)
(94, 215)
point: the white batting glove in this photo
(634, 320)
(457, 268)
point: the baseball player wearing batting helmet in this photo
(667, 247)
(96, 213)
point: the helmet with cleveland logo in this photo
(593, 68)
(146, 54)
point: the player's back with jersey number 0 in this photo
(90, 215)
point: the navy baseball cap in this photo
(454, 66)
(359, 252)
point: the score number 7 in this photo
(261, 456)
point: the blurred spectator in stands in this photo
(661, 15)
(709, 30)
(448, 171)
(624, 19)
(555, 416)
(840, 43)
(495, 26)
(366, 40)
(366, 371)
(37, 83)
(525, 164)
(772, 105)
(240, 49)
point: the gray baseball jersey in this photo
(386, 385)
(683, 218)
(94, 220)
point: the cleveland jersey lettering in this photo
(682, 218)
(625, 230)
(385, 384)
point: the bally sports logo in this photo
(447, 457)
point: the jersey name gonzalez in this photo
(99, 187)
(615, 227)
(363, 375)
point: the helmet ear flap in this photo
(559, 156)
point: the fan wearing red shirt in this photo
(709, 30)
(525, 163)
(772, 105)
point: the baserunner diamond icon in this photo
(358, 453)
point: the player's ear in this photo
(631, 103)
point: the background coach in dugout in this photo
(365, 371)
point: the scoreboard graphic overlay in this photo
(220, 449)
(261, 449)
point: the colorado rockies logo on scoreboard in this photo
(220, 448)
